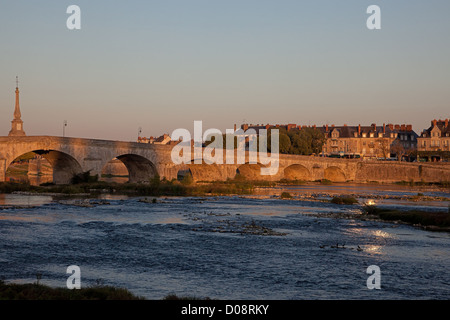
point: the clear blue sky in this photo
(160, 65)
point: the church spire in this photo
(17, 123)
(17, 114)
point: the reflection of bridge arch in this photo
(64, 165)
(297, 172)
(334, 174)
(140, 169)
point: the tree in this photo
(285, 143)
(210, 139)
(384, 147)
(398, 149)
(306, 141)
(411, 153)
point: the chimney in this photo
(446, 123)
(327, 127)
(235, 127)
(359, 129)
(397, 127)
(384, 128)
(403, 128)
(434, 122)
(374, 126)
(391, 126)
(409, 127)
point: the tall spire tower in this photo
(17, 123)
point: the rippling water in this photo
(206, 247)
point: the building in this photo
(370, 142)
(17, 123)
(164, 139)
(434, 142)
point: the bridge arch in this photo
(140, 169)
(63, 164)
(250, 171)
(114, 171)
(183, 173)
(334, 174)
(205, 172)
(297, 172)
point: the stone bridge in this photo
(70, 156)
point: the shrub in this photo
(239, 177)
(156, 181)
(187, 180)
(326, 181)
(42, 292)
(344, 200)
(84, 177)
(285, 195)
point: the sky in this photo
(159, 65)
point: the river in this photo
(231, 247)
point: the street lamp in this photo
(64, 127)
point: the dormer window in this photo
(335, 134)
(364, 135)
